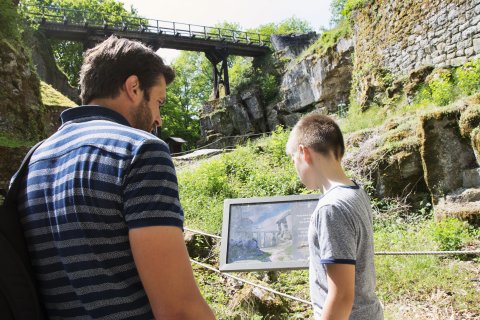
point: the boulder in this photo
(400, 175)
(272, 116)
(251, 99)
(461, 204)
(445, 153)
(262, 301)
(198, 246)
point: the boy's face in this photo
(303, 162)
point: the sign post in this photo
(268, 233)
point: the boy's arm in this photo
(341, 292)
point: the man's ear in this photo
(132, 89)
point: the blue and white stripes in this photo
(87, 185)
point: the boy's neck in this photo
(334, 176)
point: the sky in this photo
(248, 13)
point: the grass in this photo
(51, 97)
(258, 169)
(403, 282)
(327, 40)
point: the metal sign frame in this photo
(256, 266)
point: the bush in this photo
(258, 169)
(468, 77)
(352, 5)
(441, 87)
(451, 234)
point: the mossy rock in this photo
(445, 152)
(52, 97)
(469, 120)
(464, 204)
(10, 160)
(476, 142)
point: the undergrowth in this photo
(263, 169)
(258, 169)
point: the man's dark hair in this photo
(319, 133)
(107, 66)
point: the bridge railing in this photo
(85, 19)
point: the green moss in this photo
(7, 140)
(352, 5)
(51, 97)
(469, 120)
(476, 140)
(10, 21)
(327, 40)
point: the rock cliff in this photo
(314, 83)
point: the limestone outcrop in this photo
(320, 83)
(47, 70)
(317, 82)
(21, 110)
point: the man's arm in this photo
(341, 292)
(164, 268)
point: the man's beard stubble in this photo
(142, 117)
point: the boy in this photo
(342, 271)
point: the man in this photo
(340, 236)
(100, 207)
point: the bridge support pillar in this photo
(218, 59)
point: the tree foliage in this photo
(9, 18)
(69, 54)
(193, 84)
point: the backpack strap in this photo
(19, 299)
(12, 192)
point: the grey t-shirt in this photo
(341, 232)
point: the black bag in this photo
(19, 299)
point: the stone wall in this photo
(403, 35)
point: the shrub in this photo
(352, 5)
(441, 87)
(468, 77)
(451, 234)
(258, 169)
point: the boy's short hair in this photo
(106, 67)
(319, 133)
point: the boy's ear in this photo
(306, 153)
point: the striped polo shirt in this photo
(87, 185)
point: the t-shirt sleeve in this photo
(151, 188)
(336, 236)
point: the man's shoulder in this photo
(112, 137)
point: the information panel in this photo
(266, 233)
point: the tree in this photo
(69, 54)
(185, 96)
(336, 8)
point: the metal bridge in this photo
(93, 27)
